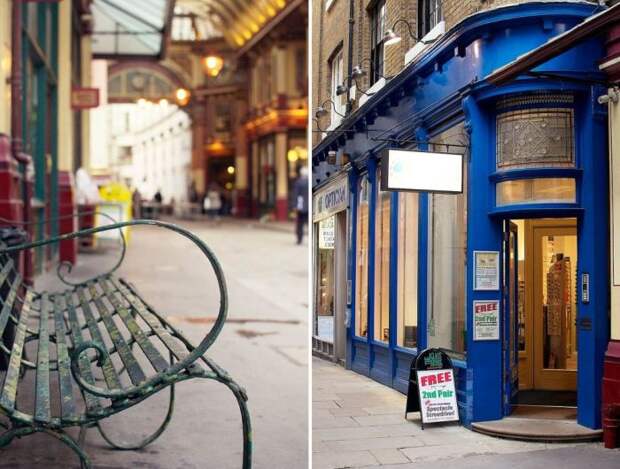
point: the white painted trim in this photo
(380, 83)
(433, 34)
(328, 4)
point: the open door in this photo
(510, 298)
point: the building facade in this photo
(277, 114)
(45, 56)
(519, 248)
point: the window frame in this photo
(430, 14)
(336, 72)
(377, 33)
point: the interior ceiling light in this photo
(213, 65)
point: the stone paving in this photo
(358, 422)
(264, 346)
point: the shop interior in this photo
(540, 291)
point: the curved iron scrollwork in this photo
(68, 266)
(174, 369)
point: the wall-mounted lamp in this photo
(213, 65)
(391, 37)
(321, 111)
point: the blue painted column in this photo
(484, 358)
(351, 261)
(372, 215)
(593, 251)
(421, 135)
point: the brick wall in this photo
(330, 28)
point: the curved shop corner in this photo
(511, 276)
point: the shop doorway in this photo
(540, 304)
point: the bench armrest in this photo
(175, 368)
(66, 264)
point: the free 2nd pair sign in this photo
(432, 391)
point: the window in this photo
(535, 138)
(382, 265)
(447, 258)
(376, 45)
(429, 16)
(361, 259)
(337, 74)
(538, 190)
(407, 281)
(324, 327)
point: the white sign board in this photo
(325, 328)
(437, 396)
(327, 233)
(486, 320)
(409, 170)
(486, 270)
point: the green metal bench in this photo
(87, 367)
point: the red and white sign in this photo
(486, 320)
(437, 396)
(84, 98)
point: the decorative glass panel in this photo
(540, 190)
(407, 284)
(535, 138)
(361, 259)
(382, 265)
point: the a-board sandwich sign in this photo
(432, 391)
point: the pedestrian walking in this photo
(300, 191)
(213, 203)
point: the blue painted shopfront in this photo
(445, 88)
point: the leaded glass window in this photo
(535, 138)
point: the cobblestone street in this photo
(263, 346)
(358, 422)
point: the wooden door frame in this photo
(559, 380)
(532, 278)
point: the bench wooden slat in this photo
(9, 301)
(4, 272)
(173, 345)
(134, 369)
(109, 373)
(42, 411)
(93, 405)
(65, 385)
(9, 389)
(156, 359)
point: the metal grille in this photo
(535, 138)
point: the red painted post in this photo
(66, 208)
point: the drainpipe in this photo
(16, 123)
(16, 78)
(350, 54)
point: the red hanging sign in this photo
(84, 98)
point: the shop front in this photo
(329, 219)
(509, 276)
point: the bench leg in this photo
(242, 398)
(18, 432)
(149, 439)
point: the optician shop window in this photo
(448, 255)
(325, 281)
(361, 258)
(407, 272)
(382, 265)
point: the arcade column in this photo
(241, 161)
(66, 187)
(281, 176)
(199, 167)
